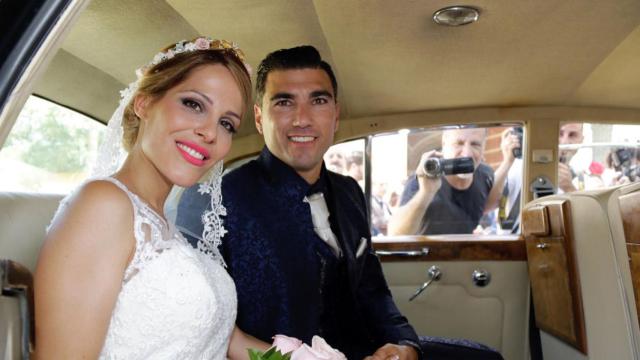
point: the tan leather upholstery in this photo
(608, 302)
(23, 221)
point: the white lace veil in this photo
(111, 153)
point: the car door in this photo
(461, 286)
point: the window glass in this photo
(347, 158)
(49, 150)
(457, 192)
(592, 156)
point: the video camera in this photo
(517, 152)
(623, 160)
(435, 167)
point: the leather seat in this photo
(595, 276)
(23, 222)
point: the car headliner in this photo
(391, 59)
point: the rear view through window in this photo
(593, 156)
(49, 150)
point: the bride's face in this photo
(189, 129)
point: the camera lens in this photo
(432, 167)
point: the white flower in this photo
(158, 58)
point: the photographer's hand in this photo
(406, 220)
(427, 185)
(509, 142)
(565, 178)
(620, 179)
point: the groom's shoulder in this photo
(344, 183)
(244, 173)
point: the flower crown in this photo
(200, 43)
(183, 46)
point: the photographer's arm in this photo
(407, 218)
(508, 143)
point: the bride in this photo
(114, 279)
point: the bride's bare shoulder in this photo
(98, 214)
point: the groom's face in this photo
(298, 118)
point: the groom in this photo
(298, 244)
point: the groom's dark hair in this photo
(300, 57)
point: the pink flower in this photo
(285, 343)
(319, 350)
(202, 44)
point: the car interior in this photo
(564, 284)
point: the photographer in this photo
(449, 203)
(570, 133)
(623, 166)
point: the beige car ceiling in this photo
(390, 58)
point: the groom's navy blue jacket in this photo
(278, 263)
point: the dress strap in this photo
(152, 233)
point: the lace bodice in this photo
(175, 303)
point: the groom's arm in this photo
(381, 314)
(380, 311)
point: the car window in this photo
(466, 159)
(49, 150)
(348, 158)
(593, 156)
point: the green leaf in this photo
(271, 354)
(254, 354)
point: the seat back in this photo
(23, 222)
(580, 275)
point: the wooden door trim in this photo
(453, 248)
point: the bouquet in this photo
(288, 348)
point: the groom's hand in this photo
(394, 352)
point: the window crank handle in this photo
(433, 274)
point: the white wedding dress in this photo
(176, 302)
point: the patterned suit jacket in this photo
(269, 251)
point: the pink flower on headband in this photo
(202, 44)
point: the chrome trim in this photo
(433, 274)
(404, 253)
(481, 277)
(456, 15)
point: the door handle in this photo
(404, 253)
(433, 274)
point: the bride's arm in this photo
(241, 342)
(79, 272)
